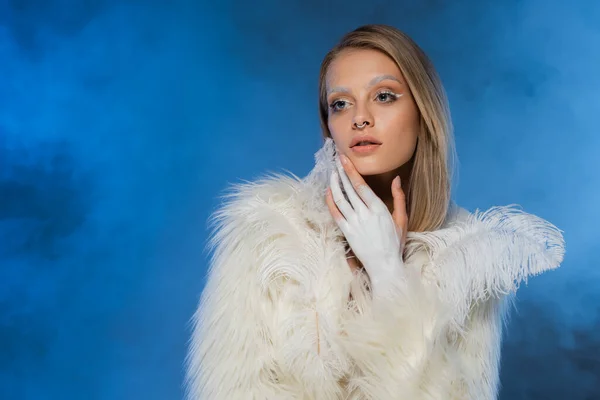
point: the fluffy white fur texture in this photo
(283, 317)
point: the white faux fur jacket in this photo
(282, 315)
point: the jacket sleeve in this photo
(255, 334)
(478, 351)
(478, 264)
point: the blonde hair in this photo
(429, 192)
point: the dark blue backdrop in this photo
(122, 121)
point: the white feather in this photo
(489, 253)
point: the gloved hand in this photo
(375, 236)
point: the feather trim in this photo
(489, 254)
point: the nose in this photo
(362, 119)
(362, 125)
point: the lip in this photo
(357, 139)
(365, 149)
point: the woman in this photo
(362, 280)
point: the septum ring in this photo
(361, 125)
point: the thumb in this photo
(399, 215)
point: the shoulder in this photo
(250, 206)
(488, 253)
(508, 222)
(269, 192)
(455, 214)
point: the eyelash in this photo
(393, 98)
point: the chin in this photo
(368, 169)
(379, 164)
(371, 166)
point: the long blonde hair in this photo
(429, 192)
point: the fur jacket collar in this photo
(282, 316)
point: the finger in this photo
(333, 210)
(335, 213)
(356, 201)
(399, 214)
(358, 184)
(338, 197)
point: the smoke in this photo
(101, 128)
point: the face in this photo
(366, 88)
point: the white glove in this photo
(369, 229)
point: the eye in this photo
(387, 96)
(338, 105)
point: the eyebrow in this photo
(373, 82)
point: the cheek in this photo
(402, 123)
(402, 129)
(336, 128)
(405, 121)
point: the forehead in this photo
(357, 67)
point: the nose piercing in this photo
(361, 125)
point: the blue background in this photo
(122, 121)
